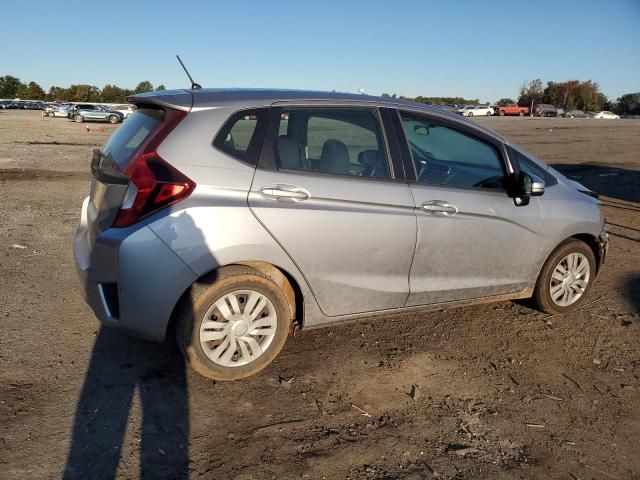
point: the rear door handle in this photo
(285, 192)
(439, 207)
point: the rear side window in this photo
(341, 141)
(119, 150)
(242, 135)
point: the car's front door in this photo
(473, 241)
(326, 190)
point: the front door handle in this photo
(439, 207)
(285, 192)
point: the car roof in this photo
(240, 98)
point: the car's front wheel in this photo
(566, 277)
(78, 119)
(234, 325)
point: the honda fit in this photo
(232, 217)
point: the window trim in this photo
(507, 165)
(252, 153)
(267, 158)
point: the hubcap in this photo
(238, 328)
(569, 279)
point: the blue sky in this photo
(475, 49)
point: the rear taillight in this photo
(153, 183)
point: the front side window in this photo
(240, 136)
(450, 157)
(340, 141)
(532, 168)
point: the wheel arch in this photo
(283, 279)
(594, 244)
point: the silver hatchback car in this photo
(232, 217)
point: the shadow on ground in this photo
(615, 183)
(119, 368)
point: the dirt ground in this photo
(496, 391)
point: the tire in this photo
(113, 119)
(521, 113)
(200, 305)
(543, 296)
(78, 119)
(488, 114)
(501, 113)
(470, 114)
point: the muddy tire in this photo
(566, 278)
(232, 324)
(78, 119)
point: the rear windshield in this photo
(119, 150)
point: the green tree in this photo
(531, 92)
(32, 91)
(112, 94)
(629, 104)
(9, 86)
(84, 93)
(161, 87)
(588, 96)
(145, 86)
(505, 101)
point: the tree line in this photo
(572, 94)
(12, 87)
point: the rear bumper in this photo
(130, 278)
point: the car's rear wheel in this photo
(78, 119)
(113, 119)
(470, 114)
(488, 114)
(566, 277)
(233, 326)
(501, 113)
(521, 113)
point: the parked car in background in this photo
(503, 110)
(477, 111)
(124, 109)
(81, 112)
(606, 114)
(575, 114)
(545, 110)
(233, 217)
(57, 111)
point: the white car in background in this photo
(124, 109)
(606, 114)
(476, 111)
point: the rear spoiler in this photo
(175, 99)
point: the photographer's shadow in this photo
(120, 367)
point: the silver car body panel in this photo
(356, 247)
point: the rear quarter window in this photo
(241, 136)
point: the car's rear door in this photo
(473, 241)
(328, 191)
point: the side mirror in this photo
(537, 187)
(421, 130)
(521, 189)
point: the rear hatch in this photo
(130, 180)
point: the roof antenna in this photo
(194, 85)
